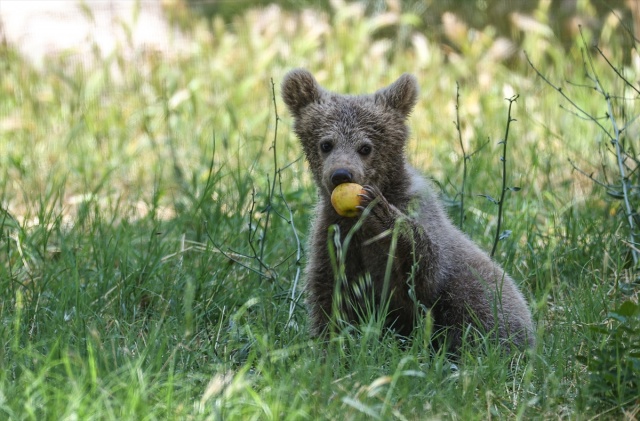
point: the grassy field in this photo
(154, 213)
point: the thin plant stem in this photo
(614, 137)
(272, 189)
(503, 158)
(464, 155)
(581, 112)
(615, 140)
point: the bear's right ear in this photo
(299, 89)
(401, 95)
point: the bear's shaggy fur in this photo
(361, 139)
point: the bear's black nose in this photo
(341, 176)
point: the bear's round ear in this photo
(299, 89)
(401, 95)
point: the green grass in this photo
(152, 234)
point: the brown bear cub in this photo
(403, 251)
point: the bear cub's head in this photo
(352, 139)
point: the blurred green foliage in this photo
(143, 279)
(508, 18)
(613, 358)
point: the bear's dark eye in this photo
(365, 150)
(326, 146)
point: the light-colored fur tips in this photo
(433, 265)
(299, 89)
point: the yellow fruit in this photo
(344, 199)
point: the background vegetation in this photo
(154, 211)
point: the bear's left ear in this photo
(401, 95)
(299, 89)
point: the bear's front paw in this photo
(379, 208)
(369, 195)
